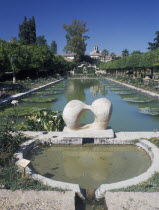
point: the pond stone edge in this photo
(150, 148)
(147, 92)
(19, 95)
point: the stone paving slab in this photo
(89, 133)
(39, 200)
(119, 136)
(132, 200)
(125, 136)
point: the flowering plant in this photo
(43, 121)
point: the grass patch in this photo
(10, 178)
(152, 185)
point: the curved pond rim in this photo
(150, 148)
(89, 165)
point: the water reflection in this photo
(89, 166)
(76, 89)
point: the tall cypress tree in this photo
(32, 27)
(53, 47)
(27, 31)
(24, 32)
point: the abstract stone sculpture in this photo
(101, 108)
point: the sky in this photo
(113, 25)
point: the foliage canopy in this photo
(75, 38)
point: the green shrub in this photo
(10, 139)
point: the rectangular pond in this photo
(132, 111)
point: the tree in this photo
(32, 30)
(75, 38)
(104, 53)
(135, 52)
(125, 52)
(4, 60)
(53, 47)
(113, 55)
(40, 40)
(155, 44)
(27, 31)
(13, 39)
(41, 58)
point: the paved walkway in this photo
(132, 201)
(36, 200)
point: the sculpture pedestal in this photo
(104, 134)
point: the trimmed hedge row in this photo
(134, 62)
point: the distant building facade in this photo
(96, 54)
(68, 57)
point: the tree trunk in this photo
(14, 77)
(152, 73)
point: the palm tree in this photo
(125, 52)
(113, 55)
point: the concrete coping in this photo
(147, 92)
(18, 95)
(123, 138)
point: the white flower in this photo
(15, 102)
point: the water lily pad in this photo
(149, 110)
(51, 93)
(117, 89)
(39, 100)
(138, 100)
(123, 92)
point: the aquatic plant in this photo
(43, 120)
(39, 100)
(20, 111)
(149, 110)
(138, 100)
(124, 92)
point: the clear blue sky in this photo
(114, 24)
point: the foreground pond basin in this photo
(89, 165)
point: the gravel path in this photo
(132, 201)
(36, 200)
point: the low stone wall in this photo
(19, 95)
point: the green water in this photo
(89, 165)
(136, 111)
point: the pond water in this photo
(132, 111)
(89, 165)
